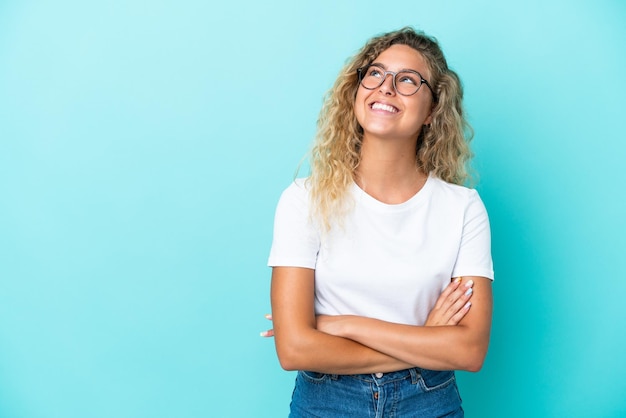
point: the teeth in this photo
(381, 106)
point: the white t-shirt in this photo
(389, 262)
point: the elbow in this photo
(474, 366)
(296, 349)
(474, 359)
(287, 362)
(289, 357)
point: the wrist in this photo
(349, 327)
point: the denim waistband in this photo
(401, 393)
(413, 373)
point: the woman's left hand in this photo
(452, 305)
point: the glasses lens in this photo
(407, 82)
(372, 77)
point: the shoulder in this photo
(295, 198)
(298, 190)
(455, 193)
(464, 199)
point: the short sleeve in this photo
(296, 240)
(474, 257)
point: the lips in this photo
(384, 107)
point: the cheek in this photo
(422, 110)
(359, 106)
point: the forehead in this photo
(403, 57)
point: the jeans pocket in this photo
(313, 377)
(433, 380)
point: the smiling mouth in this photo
(385, 107)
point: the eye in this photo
(375, 72)
(409, 78)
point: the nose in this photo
(387, 86)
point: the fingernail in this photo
(458, 280)
(268, 316)
(263, 334)
(470, 283)
(467, 305)
(468, 291)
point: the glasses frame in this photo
(361, 74)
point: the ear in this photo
(429, 118)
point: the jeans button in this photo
(378, 375)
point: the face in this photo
(382, 112)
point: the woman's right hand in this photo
(452, 305)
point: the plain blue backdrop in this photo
(144, 145)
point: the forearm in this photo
(436, 348)
(317, 351)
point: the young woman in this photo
(377, 254)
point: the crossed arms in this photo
(454, 337)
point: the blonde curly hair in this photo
(442, 148)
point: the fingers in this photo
(447, 293)
(459, 303)
(445, 308)
(269, 332)
(456, 318)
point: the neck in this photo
(388, 171)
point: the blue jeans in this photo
(407, 393)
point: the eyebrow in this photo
(384, 67)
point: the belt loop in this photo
(334, 377)
(415, 375)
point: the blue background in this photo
(144, 145)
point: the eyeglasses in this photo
(406, 82)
